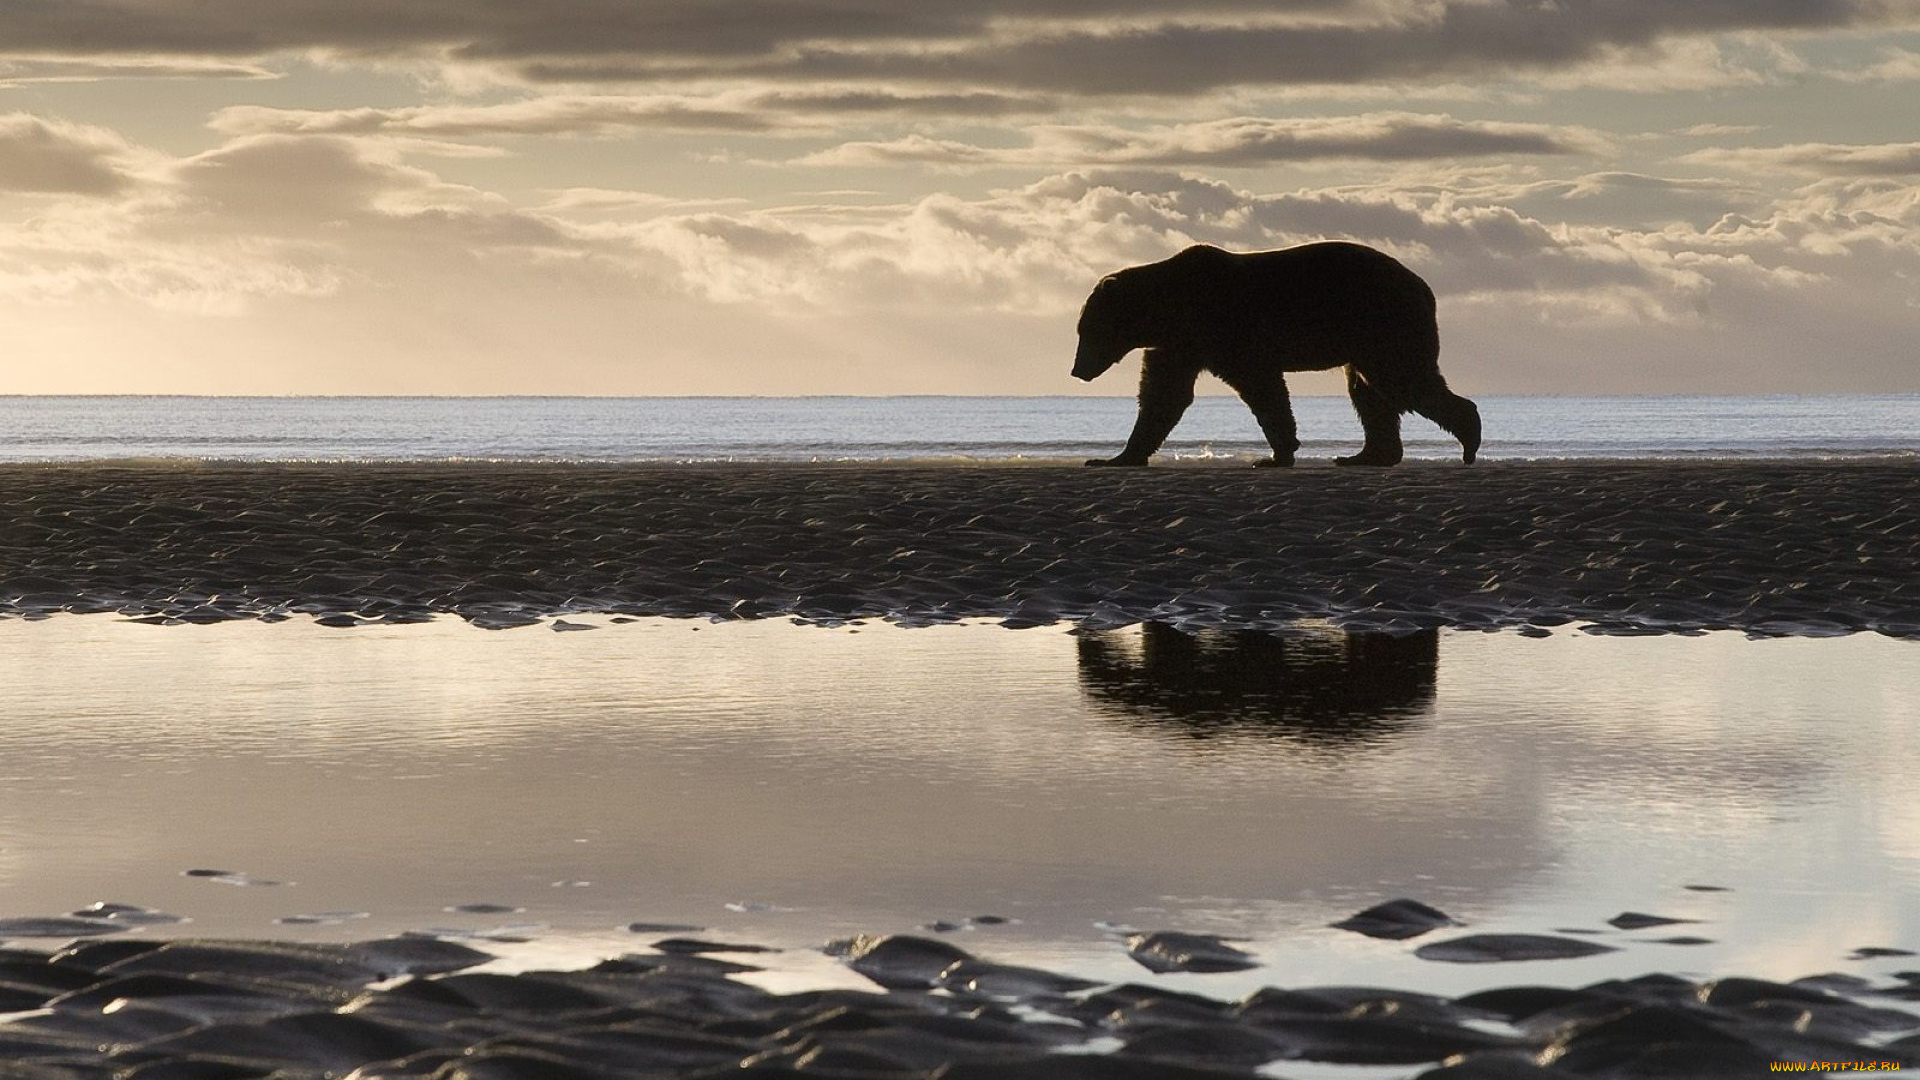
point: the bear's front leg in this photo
(1166, 389)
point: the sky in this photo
(875, 197)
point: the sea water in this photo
(913, 429)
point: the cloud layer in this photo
(1237, 142)
(608, 115)
(1823, 159)
(267, 227)
(1123, 47)
(1233, 142)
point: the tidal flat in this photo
(1051, 762)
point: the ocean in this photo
(913, 429)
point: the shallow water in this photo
(874, 779)
(919, 428)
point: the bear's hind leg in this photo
(1166, 389)
(1272, 406)
(1458, 416)
(1379, 418)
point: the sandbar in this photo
(1770, 548)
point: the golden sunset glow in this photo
(798, 197)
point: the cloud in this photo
(53, 156)
(659, 30)
(1710, 131)
(1894, 65)
(857, 102)
(600, 200)
(1109, 47)
(1172, 52)
(18, 70)
(587, 115)
(917, 149)
(260, 217)
(1825, 159)
(738, 112)
(1625, 200)
(1239, 142)
(289, 181)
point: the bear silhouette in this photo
(1251, 318)
(1327, 688)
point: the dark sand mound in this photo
(1778, 548)
(410, 1007)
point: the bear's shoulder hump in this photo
(1202, 253)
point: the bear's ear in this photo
(1099, 306)
(1104, 292)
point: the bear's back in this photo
(1335, 259)
(1327, 263)
(1335, 274)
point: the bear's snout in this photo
(1089, 364)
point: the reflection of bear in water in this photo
(1327, 688)
(1251, 318)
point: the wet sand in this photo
(1768, 548)
(146, 1010)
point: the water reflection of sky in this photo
(876, 779)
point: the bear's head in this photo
(1109, 329)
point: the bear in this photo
(1251, 318)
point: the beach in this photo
(1365, 576)
(1767, 548)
